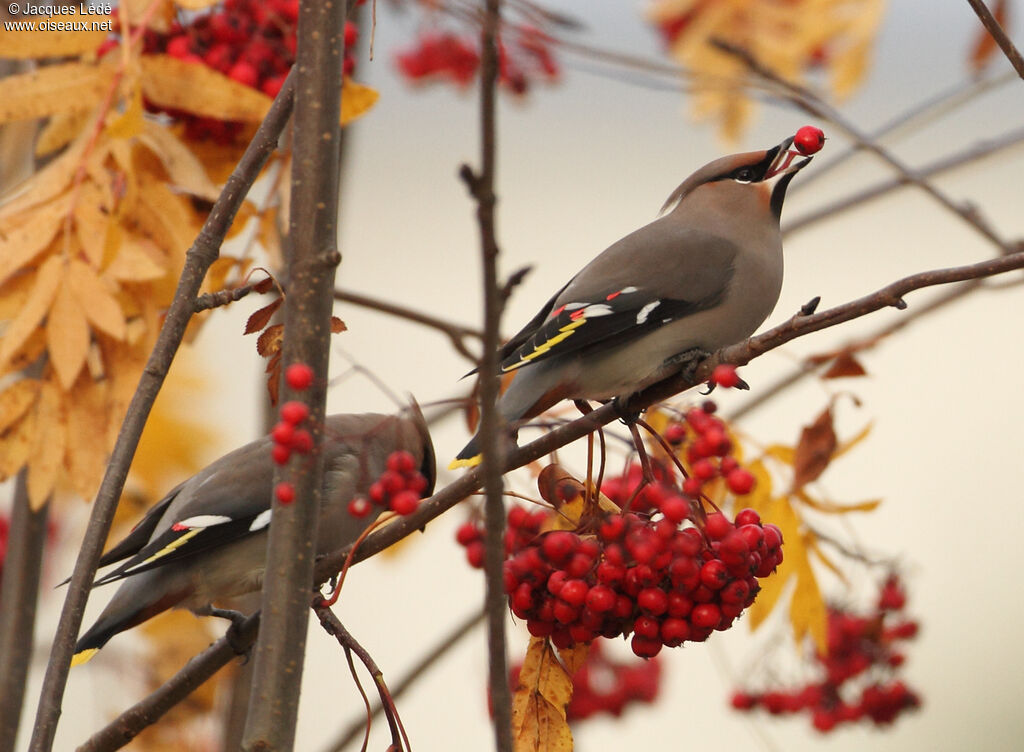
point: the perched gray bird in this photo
(206, 541)
(703, 276)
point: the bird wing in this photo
(656, 275)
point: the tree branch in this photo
(999, 35)
(203, 252)
(291, 546)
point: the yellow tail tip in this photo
(466, 462)
(84, 656)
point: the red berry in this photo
(645, 647)
(717, 526)
(740, 481)
(351, 34)
(558, 546)
(272, 86)
(675, 433)
(600, 598)
(556, 581)
(809, 140)
(714, 574)
(302, 442)
(299, 376)
(467, 533)
(692, 486)
(645, 626)
(179, 47)
(704, 470)
(725, 375)
(283, 433)
(653, 600)
(574, 592)
(393, 482)
(285, 492)
(674, 632)
(675, 508)
(245, 73)
(405, 502)
(280, 453)
(706, 615)
(294, 412)
(401, 461)
(359, 507)
(747, 517)
(475, 554)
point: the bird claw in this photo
(233, 634)
(627, 415)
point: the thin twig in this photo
(198, 259)
(457, 333)
(999, 35)
(430, 657)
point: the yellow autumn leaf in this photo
(16, 445)
(846, 446)
(54, 88)
(47, 450)
(538, 703)
(129, 123)
(21, 244)
(44, 288)
(88, 416)
(200, 90)
(574, 657)
(784, 454)
(67, 334)
(60, 130)
(96, 301)
(23, 44)
(15, 401)
(183, 167)
(45, 184)
(807, 612)
(356, 100)
(778, 511)
(138, 260)
(831, 507)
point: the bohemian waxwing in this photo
(206, 541)
(703, 276)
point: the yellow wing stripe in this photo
(83, 656)
(543, 347)
(176, 543)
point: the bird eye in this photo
(744, 175)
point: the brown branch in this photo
(999, 35)
(430, 657)
(815, 106)
(22, 565)
(313, 231)
(455, 332)
(977, 152)
(203, 252)
(336, 629)
(481, 186)
(220, 298)
(220, 652)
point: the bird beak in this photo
(786, 161)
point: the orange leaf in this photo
(52, 89)
(807, 612)
(15, 401)
(38, 303)
(538, 704)
(985, 46)
(814, 450)
(137, 260)
(47, 445)
(60, 130)
(88, 415)
(200, 90)
(16, 445)
(849, 444)
(356, 100)
(183, 167)
(781, 513)
(96, 300)
(831, 507)
(337, 325)
(260, 318)
(269, 342)
(574, 657)
(21, 244)
(274, 376)
(67, 335)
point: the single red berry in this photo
(280, 453)
(646, 626)
(717, 526)
(743, 701)
(393, 482)
(676, 509)
(600, 598)
(272, 86)
(558, 546)
(285, 492)
(809, 140)
(725, 375)
(706, 615)
(704, 470)
(294, 412)
(283, 433)
(692, 486)
(359, 507)
(565, 613)
(714, 574)
(645, 647)
(675, 433)
(466, 533)
(574, 592)
(740, 481)
(653, 600)
(405, 502)
(475, 554)
(351, 34)
(674, 632)
(245, 73)
(179, 47)
(401, 461)
(302, 441)
(747, 517)
(299, 376)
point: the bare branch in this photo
(313, 231)
(999, 34)
(202, 253)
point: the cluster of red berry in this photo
(859, 645)
(709, 454)
(447, 56)
(399, 488)
(250, 41)
(522, 527)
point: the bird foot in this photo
(688, 360)
(234, 634)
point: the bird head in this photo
(761, 176)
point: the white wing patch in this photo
(201, 520)
(644, 312)
(597, 309)
(260, 521)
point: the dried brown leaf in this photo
(814, 450)
(337, 325)
(985, 46)
(269, 342)
(845, 365)
(67, 334)
(55, 88)
(538, 703)
(260, 318)
(44, 288)
(200, 90)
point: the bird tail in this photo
(468, 457)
